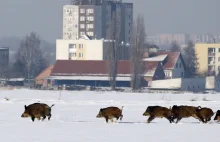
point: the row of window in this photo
(88, 10)
(73, 46)
(89, 26)
(89, 18)
(72, 55)
(88, 33)
(81, 10)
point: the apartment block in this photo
(87, 49)
(208, 58)
(93, 18)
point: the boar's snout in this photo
(99, 115)
(145, 113)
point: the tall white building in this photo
(93, 18)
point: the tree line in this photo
(29, 61)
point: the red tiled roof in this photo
(94, 67)
(172, 58)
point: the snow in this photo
(74, 117)
(156, 58)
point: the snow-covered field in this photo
(74, 117)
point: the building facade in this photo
(208, 58)
(94, 18)
(87, 49)
(4, 60)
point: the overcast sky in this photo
(19, 17)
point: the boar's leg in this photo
(121, 117)
(169, 118)
(106, 119)
(150, 119)
(178, 119)
(49, 116)
(32, 118)
(43, 117)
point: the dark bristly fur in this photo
(37, 110)
(183, 111)
(204, 114)
(157, 112)
(110, 113)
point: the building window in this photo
(90, 26)
(80, 46)
(90, 10)
(90, 33)
(219, 59)
(180, 65)
(177, 65)
(219, 50)
(182, 74)
(82, 33)
(82, 26)
(82, 18)
(90, 18)
(80, 55)
(72, 55)
(82, 10)
(72, 46)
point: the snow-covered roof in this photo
(16, 79)
(156, 58)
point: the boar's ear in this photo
(25, 106)
(101, 109)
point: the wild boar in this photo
(37, 110)
(157, 112)
(179, 112)
(204, 114)
(217, 116)
(110, 113)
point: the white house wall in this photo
(62, 49)
(94, 50)
(184, 84)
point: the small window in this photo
(72, 46)
(180, 65)
(82, 18)
(82, 26)
(90, 18)
(219, 50)
(176, 65)
(80, 46)
(82, 10)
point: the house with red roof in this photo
(172, 62)
(95, 72)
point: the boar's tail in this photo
(52, 105)
(122, 108)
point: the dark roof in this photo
(171, 60)
(94, 67)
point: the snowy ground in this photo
(74, 118)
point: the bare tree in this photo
(112, 50)
(190, 59)
(30, 55)
(175, 47)
(138, 43)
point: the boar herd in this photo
(173, 114)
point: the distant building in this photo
(86, 48)
(208, 58)
(41, 80)
(95, 73)
(4, 60)
(172, 63)
(93, 18)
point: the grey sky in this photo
(19, 17)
